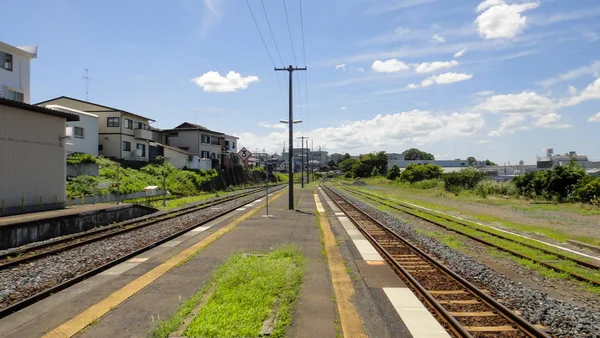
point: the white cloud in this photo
(489, 3)
(485, 93)
(565, 16)
(550, 120)
(429, 67)
(381, 131)
(592, 68)
(595, 118)
(214, 82)
(400, 31)
(412, 86)
(500, 20)
(343, 108)
(437, 38)
(389, 66)
(572, 91)
(212, 15)
(460, 53)
(275, 126)
(397, 5)
(341, 66)
(482, 141)
(445, 78)
(360, 69)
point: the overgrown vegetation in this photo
(366, 165)
(242, 294)
(77, 158)
(179, 182)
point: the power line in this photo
(271, 30)
(304, 55)
(261, 36)
(289, 31)
(267, 49)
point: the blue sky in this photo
(495, 79)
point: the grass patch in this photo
(448, 240)
(245, 289)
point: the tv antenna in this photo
(86, 78)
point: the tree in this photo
(331, 164)
(415, 172)
(416, 154)
(488, 162)
(471, 160)
(347, 165)
(347, 156)
(393, 173)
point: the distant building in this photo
(442, 163)
(84, 133)
(336, 157)
(15, 72)
(551, 160)
(179, 158)
(32, 157)
(122, 135)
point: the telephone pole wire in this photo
(290, 70)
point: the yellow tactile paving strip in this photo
(89, 316)
(352, 325)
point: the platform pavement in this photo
(69, 211)
(316, 313)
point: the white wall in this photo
(19, 78)
(89, 122)
(177, 159)
(32, 157)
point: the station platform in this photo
(348, 289)
(58, 213)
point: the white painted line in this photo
(200, 229)
(365, 248)
(419, 321)
(119, 269)
(501, 230)
(137, 260)
(258, 200)
(170, 244)
(240, 209)
(320, 208)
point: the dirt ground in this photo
(564, 219)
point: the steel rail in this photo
(525, 326)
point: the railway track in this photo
(552, 259)
(464, 309)
(32, 252)
(133, 231)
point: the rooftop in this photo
(106, 108)
(193, 126)
(27, 51)
(42, 110)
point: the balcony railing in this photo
(143, 134)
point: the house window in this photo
(100, 147)
(141, 125)
(128, 124)
(15, 96)
(6, 61)
(112, 122)
(78, 132)
(126, 146)
(141, 149)
(215, 141)
(205, 139)
(204, 154)
(233, 145)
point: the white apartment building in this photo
(83, 133)
(121, 134)
(15, 72)
(198, 139)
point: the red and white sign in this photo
(244, 154)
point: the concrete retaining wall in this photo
(18, 234)
(91, 169)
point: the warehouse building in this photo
(33, 165)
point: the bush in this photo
(415, 172)
(465, 179)
(489, 187)
(561, 183)
(589, 192)
(394, 173)
(81, 158)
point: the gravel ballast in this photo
(560, 318)
(22, 281)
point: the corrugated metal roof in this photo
(42, 110)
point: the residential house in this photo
(197, 139)
(179, 158)
(32, 157)
(122, 135)
(15, 71)
(229, 156)
(84, 133)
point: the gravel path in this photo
(562, 319)
(22, 281)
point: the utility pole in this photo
(307, 162)
(302, 157)
(290, 70)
